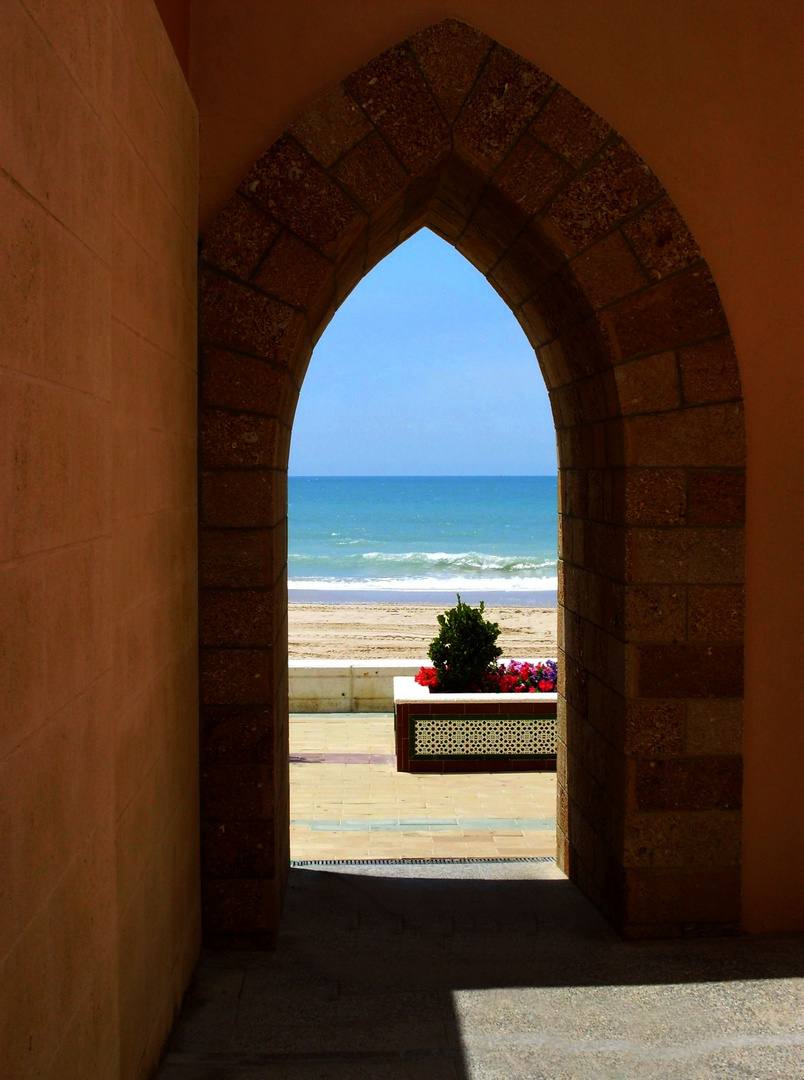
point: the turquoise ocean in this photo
(422, 539)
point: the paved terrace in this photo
(491, 970)
(347, 801)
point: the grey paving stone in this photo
(485, 971)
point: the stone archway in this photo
(453, 131)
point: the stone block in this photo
(689, 671)
(562, 303)
(693, 783)
(716, 613)
(672, 312)
(709, 372)
(680, 898)
(608, 271)
(459, 188)
(682, 555)
(237, 849)
(607, 712)
(371, 174)
(712, 435)
(551, 359)
(479, 244)
(523, 269)
(585, 349)
(397, 100)
(238, 238)
(236, 676)
(649, 385)
(239, 317)
(242, 498)
(297, 274)
(570, 128)
(237, 735)
(661, 239)
(233, 381)
(229, 440)
(505, 97)
(654, 497)
(497, 219)
(236, 792)
(450, 55)
(383, 233)
(714, 727)
(240, 911)
(333, 124)
(716, 498)
(530, 176)
(289, 185)
(616, 185)
(655, 613)
(654, 729)
(239, 558)
(682, 839)
(350, 270)
(237, 618)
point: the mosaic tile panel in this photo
(482, 736)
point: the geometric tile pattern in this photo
(482, 736)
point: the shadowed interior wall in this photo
(571, 227)
(709, 95)
(99, 912)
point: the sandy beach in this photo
(380, 631)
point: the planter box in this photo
(448, 733)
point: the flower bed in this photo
(515, 677)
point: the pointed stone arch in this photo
(452, 131)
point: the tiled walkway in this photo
(348, 801)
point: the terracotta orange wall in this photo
(99, 914)
(711, 95)
(175, 16)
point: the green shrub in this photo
(464, 648)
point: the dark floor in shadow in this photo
(494, 971)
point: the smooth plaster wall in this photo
(711, 96)
(99, 911)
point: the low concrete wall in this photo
(328, 686)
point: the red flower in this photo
(426, 677)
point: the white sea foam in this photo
(467, 562)
(461, 560)
(427, 584)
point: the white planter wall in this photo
(331, 686)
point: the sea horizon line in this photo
(422, 476)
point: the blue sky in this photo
(423, 371)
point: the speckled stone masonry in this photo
(452, 131)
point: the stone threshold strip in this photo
(426, 824)
(251, 1059)
(342, 759)
(460, 861)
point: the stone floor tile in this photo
(486, 971)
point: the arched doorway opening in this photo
(422, 465)
(571, 227)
